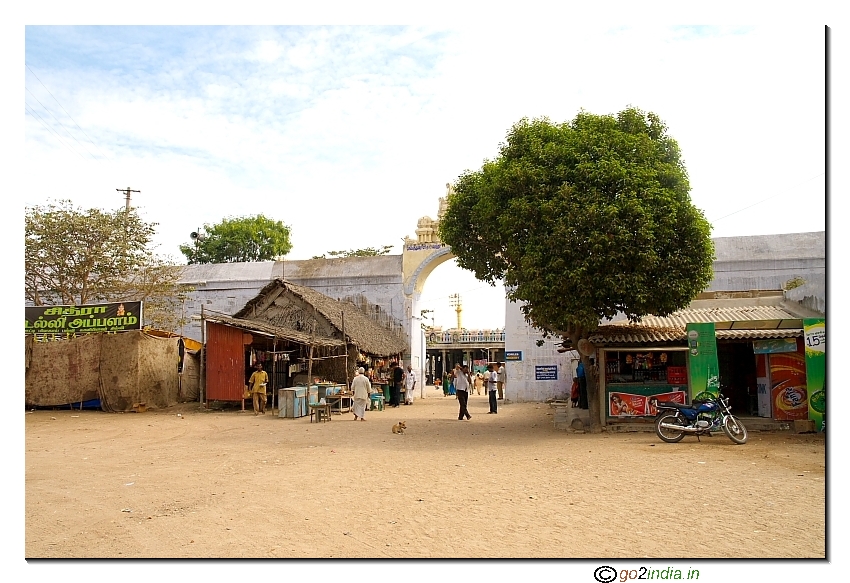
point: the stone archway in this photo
(419, 259)
(436, 255)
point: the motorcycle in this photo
(676, 420)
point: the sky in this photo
(349, 134)
(347, 123)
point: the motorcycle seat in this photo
(672, 405)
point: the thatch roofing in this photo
(360, 330)
(276, 331)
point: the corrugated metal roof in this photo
(636, 334)
(719, 314)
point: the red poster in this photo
(788, 385)
(674, 397)
(626, 404)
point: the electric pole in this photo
(127, 192)
(455, 299)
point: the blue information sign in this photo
(547, 372)
(513, 355)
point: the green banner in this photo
(86, 319)
(815, 334)
(702, 360)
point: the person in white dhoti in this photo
(362, 388)
(409, 385)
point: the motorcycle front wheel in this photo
(735, 430)
(669, 435)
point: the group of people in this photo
(401, 379)
(403, 383)
(460, 382)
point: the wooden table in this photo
(339, 403)
(322, 412)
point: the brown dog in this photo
(399, 427)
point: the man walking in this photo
(258, 381)
(409, 385)
(492, 379)
(462, 384)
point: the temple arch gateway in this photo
(419, 259)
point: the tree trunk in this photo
(591, 374)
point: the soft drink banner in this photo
(702, 360)
(814, 330)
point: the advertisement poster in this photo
(702, 360)
(674, 397)
(632, 405)
(814, 330)
(788, 392)
(86, 319)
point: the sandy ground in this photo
(212, 484)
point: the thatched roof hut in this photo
(305, 315)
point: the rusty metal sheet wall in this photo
(225, 363)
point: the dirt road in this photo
(229, 484)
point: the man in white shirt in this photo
(409, 385)
(492, 379)
(500, 383)
(462, 383)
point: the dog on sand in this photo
(399, 427)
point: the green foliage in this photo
(793, 283)
(367, 252)
(74, 257)
(240, 239)
(583, 220)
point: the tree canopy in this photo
(238, 239)
(583, 220)
(75, 257)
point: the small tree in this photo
(74, 257)
(367, 252)
(583, 220)
(240, 239)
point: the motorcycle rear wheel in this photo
(669, 435)
(735, 430)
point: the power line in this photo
(66, 112)
(59, 122)
(40, 120)
(768, 198)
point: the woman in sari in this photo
(362, 388)
(455, 373)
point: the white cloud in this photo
(326, 127)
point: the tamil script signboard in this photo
(87, 319)
(513, 355)
(548, 372)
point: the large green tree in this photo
(583, 220)
(75, 256)
(238, 239)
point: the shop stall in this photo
(634, 377)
